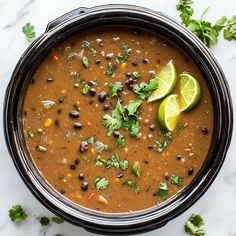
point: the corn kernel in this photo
(93, 151)
(48, 122)
(123, 65)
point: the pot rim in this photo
(89, 218)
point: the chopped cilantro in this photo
(128, 183)
(136, 169)
(137, 188)
(75, 74)
(100, 161)
(230, 29)
(121, 58)
(101, 183)
(163, 191)
(124, 165)
(136, 75)
(115, 88)
(125, 47)
(115, 161)
(110, 70)
(29, 32)
(120, 118)
(167, 138)
(176, 180)
(44, 221)
(57, 220)
(17, 214)
(30, 134)
(90, 48)
(85, 62)
(143, 90)
(72, 55)
(91, 140)
(180, 128)
(120, 142)
(193, 225)
(85, 89)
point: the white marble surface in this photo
(217, 206)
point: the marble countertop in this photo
(217, 206)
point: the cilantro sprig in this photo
(17, 214)
(193, 225)
(29, 32)
(207, 32)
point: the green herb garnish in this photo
(57, 220)
(128, 183)
(115, 161)
(136, 170)
(44, 221)
(100, 161)
(85, 62)
(101, 183)
(144, 90)
(30, 134)
(41, 148)
(91, 140)
(204, 30)
(120, 142)
(163, 191)
(75, 74)
(85, 89)
(120, 58)
(180, 128)
(136, 75)
(166, 139)
(125, 47)
(115, 88)
(72, 55)
(137, 188)
(17, 214)
(123, 117)
(176, 180)
(90, 48)
(110, 70)
(193, 225)
(29, 32)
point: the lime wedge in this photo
(168, 112)
(190, 92)
(166, 80)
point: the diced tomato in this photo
(55, 58)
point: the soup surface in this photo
(98, 142)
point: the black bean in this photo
(92, 92)
(57, 123)
(90, 83)
(158, 61)
(25, 113)
(72, 167)
(59, 111)
(119, 175)
(146, 162)
(152, 127)
(97, 61)
(150, 146)
(190, 171)
(128, 75)
(145, 61)
(179, 157)
(83, 146)
(77, 125)
(77, 161)
(102, 96)
(81, 176)
(50, 79)
(116, 134)
(61, 100)
(134, 63)
(204, 130)
(62, 191)
(74, 114)
(109, 56)
(32, 81)
(167, 177)
(84, 186)
(106, 107)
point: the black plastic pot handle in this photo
(65, 17)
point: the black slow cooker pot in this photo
(123, 15)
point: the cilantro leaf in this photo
(115, 161)
(125, 47)
(85, 62)
(184, 6)
(137, 188)
(124, 165)
(120, 142)
(101, 183)
(136, 75)
(230, 30)
(176, 180)
(85, 90)
(167, 138)
(90, 48)
(91, 140)
(115, 88)
(29, 32)
(100, 161)
(163, 191)
(136, 169)
(121, 58)
(17, 214)
(143, 90)
(44, 221)
(133, 106)
(128, 183)
(110, 70)
(193, 225)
